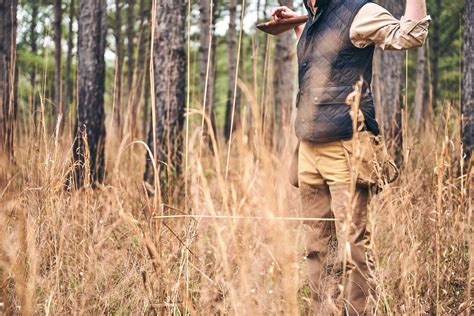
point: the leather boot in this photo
(351, 228)
(321, 246)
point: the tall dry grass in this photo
(116, 249)
(109, 251)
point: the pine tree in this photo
(468, 81)
(118, 64)
(232, 64)
(130, 43)
(58, 12)
(169, 69)
(8, 75)
(69, 95)
(388, 65)
(207, 56)
(34, 51)
(283, 77)
(143, 73)
(90, 128)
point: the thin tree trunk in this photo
(146, 102)
(389, 74)
(212, 74)
(130, 44)
(142, 64)
(145, 9)
(423, 111)
(34, 51)
(468, 81)
(169, 67)
(232, 64)
(90, 128)
(435, 51)
(33, 40)
(58, 12)
(377, 83)
(119, 65)
(267, 100)
(428, 113)
(419, 91)
(207, 58)
(8, 76)
(68, 97)
(283, 83)
(265, 9)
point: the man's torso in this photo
(329, 64)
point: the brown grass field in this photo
(230, 242)
(109, 250)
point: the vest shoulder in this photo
(355, 4)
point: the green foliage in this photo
(449, 15)
(450, 54)
(252, 51)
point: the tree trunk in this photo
(265, 10)
(258, 9)
(468, 81)
(388, 68)
(419, 91)
(8, 76)
(130, 44)
(207, 67)
(232, 64)
(146, 27)
(435, 51)
(90, 128)
(34, 51)
(423, 111)
(119, 64)
(68, 97)
(58, 13)
(142, 65)
(169, 69)
(283, 78)
(146, 102)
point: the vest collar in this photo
(321, 5)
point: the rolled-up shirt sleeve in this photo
(375, 25)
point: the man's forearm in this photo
(299, 30)
(415, 10)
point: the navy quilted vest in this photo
(328, 67)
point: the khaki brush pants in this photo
(336, 257)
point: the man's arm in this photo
(282, 13)
(415, 10)
(375, 25)
(299, 30)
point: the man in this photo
(335, 50)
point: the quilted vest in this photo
(328, 67)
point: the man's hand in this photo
(282, 13)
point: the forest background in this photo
(157, 208)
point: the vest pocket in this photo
(330, 95)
